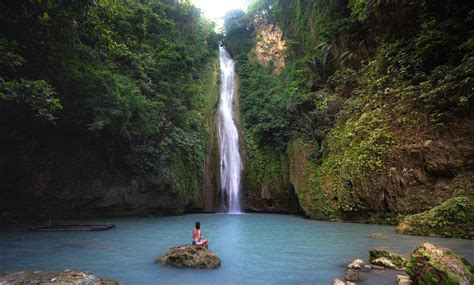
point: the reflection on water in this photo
(254, 248)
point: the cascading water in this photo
(231, 163)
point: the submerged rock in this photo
(66, 277)
(378, 236)
(430, 264)
(375, 255)
(192, 256)
(453, 218)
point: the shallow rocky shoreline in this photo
(66, 277)
(428, 264)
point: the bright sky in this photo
(216, 9)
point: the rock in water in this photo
(352, 275)
(431, 264)
(453, 218)
(376, 253)
(367, 267)
(192, 256)
(378, 236)
(338, 282)
(403, 280)
(383, 261)
(52, 278)
(356, 264)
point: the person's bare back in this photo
(197, 236)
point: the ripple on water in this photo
(254, 249)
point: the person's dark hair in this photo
(198, 225)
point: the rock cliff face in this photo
(65, 176)
(75, 180)
(383, 146)
(419, 172)
(266, 184)
(270, 45)
(266, 173)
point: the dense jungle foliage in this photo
(360, 76)
(124, 74)
(428, 56)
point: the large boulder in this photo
(66, 277)
(453, 218)
(380, 256)
(192, 256)
(431, 264)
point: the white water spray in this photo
(231, 163)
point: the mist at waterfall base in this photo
(230, 160)
(254, 249)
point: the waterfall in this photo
(231, 163)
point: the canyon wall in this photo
(356, 118)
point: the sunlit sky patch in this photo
(216, 9)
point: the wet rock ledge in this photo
(66, 277)
(192, 256)
(428, 265)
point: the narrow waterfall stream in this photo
(230, 161)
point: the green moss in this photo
(396, 259)
(266, 166)
(187, 167)
(360, 77)
(353, 151)
(453, 218)
(305, 175)
(426, 267)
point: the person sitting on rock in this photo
(197, 236)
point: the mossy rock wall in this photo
(368, 121)
(267, 180)
(211, 170)
(79, 177)
(453, 218)
(305, 175)
(198, 177)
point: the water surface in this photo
(254, 248)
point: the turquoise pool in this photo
(254, 248)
